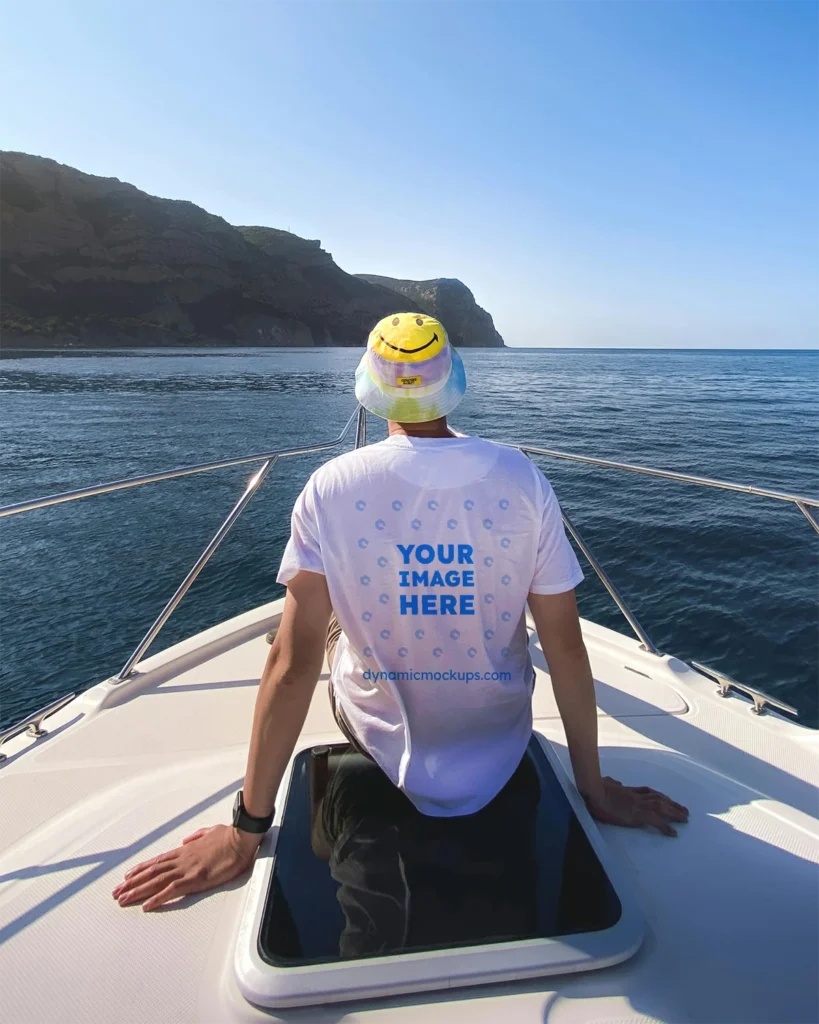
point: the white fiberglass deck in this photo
(732, 930)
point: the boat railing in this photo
(269, 459)
(805, 506)
(33, 723)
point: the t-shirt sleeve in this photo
(303, 550)
(556, 567)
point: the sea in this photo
(728, 579)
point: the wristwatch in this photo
(246, 822)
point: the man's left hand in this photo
(635, 807)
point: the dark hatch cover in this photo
(359, 872)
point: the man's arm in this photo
(214, 856)
(558, 627)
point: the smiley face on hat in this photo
(407, 338)
(410, 372)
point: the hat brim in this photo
(408, 408)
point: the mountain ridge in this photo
(89, 261)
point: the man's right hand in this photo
(205, 860)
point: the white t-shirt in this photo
(430, 547)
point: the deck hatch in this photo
(365, 896)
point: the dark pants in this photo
(407, 881)
(334, 632)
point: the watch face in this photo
(237, 807)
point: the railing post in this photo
(726, 684)
(33, 724)
(607, 583)
(361, 428)
(252, 486)
(806, 512)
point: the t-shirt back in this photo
(430, 547)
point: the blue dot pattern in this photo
(485, 507)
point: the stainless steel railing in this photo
(726, 684)
(269, 460)
(615, 594)
(33, 724)
(253, 485)
(173, 474)
(803, 504)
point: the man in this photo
(427, 548)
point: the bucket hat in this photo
(410, 372)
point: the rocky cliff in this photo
(92, 261)
(451, 302)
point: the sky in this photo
(610, 173)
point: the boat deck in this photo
(128, 770)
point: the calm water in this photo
(728, 579)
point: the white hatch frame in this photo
(274, 987)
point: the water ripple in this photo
(728, 579)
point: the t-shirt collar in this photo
(425, 443)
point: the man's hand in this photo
(634, 807)
(558, 626)
(214, 856)
(205, 860)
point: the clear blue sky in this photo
(614, 173)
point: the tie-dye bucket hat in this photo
(410, 373)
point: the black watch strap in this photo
(246, 822)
